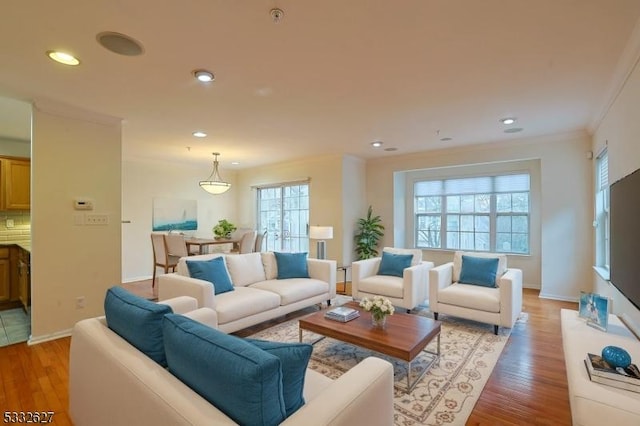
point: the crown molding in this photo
(627, 63)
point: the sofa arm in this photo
(415, 282)
(361, 396)
(439, 277)
(181, 304)
(324, 270)
(510, 296)
(174, 285)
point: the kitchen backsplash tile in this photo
(21, 230)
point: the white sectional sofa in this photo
(112, 383)
(257, 294)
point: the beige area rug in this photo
(447, 392)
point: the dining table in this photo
(203, 243)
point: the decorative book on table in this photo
(601, 372)
(342, 314)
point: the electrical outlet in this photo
(80, 302)
(10, 223)
(96, 219)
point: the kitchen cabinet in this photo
(5, 275)
(16, 183)
(24, 278)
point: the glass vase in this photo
(378, 321)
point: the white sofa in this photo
(112, 383)
(595, 403)
(498, 305)
(258, 296)
(407, 291)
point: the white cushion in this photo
(457, 263)
(471, 296)
(382, 285)
(417, 253)
(270, 265)
(245, 269)
(294, 289)
(244, 302)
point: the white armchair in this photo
(498, 305)
(407, 291)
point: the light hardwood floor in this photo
(527, 387)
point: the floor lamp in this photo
(321, 233)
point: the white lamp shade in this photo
(321, 232)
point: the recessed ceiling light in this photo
(376, 144)
(204, 76)
(200, 134)
(63, 57)
(514, 130)
(508, 120)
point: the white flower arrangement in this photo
(379, 307)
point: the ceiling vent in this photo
(120, 44)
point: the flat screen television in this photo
(624, 219)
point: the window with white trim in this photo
(283, 212)
(602, 210)
(484, 213)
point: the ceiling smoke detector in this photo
(276, 15)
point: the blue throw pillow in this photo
(214, 271)
(240, 379)
(479, 270)
(295, 358)
(394, 264)
(138, 321)
(292, 265)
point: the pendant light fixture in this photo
(214, 183)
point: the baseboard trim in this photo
(48, 337)
(556, 297)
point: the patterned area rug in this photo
(447, 392)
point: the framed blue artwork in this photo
(170, 214)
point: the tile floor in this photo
(15, 326)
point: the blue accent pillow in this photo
(295, 358)
(138, 321)
(240, 379)
(292, 265)
(394, 264)
(479, 270)
(214, 271)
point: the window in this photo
(602, 210)
(486, 213)
(283, 211)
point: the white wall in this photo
(354, 206)
(15, 148)
(74, 153)
(141, 182)
(620, 132)
(563, 267)
(325, 189)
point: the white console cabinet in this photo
(594, 403)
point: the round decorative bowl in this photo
(616, 357)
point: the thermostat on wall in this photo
(82, 204)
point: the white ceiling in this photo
(331, 77)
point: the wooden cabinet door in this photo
(17, 175)
(5, 281)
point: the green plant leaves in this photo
(370, 232)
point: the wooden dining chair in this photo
(247, 243)
(260, 238)
(167, 250)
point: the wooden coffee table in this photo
(404, 336)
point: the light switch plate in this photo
(10, 223)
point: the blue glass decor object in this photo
(616, 357)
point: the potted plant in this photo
(223, 229)
(370, 231)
